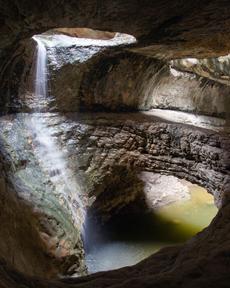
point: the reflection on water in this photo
(190, 217)
(117, 254)
(128, 239)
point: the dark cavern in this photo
(114, 144)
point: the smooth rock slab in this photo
(161, 190)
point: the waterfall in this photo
(49, 150)
(41, 76)
(41, 70)
(53, 158)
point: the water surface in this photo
(128, 239)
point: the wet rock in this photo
(99, 76)
(56, 231)
(108, 170)
(164, 30)
(22, 246)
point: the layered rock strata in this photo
(164, 30)
(108, 146)
(97, 77)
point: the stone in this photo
(165, 31)
(161, 190)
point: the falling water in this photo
(102, 252)
(53, 159)
(41, 98)
(41, 71)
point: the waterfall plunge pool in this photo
(126, 239)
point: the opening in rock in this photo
(169, 212)
(66, 55)
(58, 151)
(48, 168)
(64, 155)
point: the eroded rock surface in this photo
(107, 152)
(48, 207)
(22, 247)
(201, 262)
(98, 75)
(191, 28)
(107, 148)
(163, 30)
(214, 68)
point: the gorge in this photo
(114, 143)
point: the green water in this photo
(187, 218)
(128, 239)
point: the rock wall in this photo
(122, 81)
(108, 146)
(129, 82)
(175, 28)
(21, 243)
(213, 68)
(17, 77)
(164, 30)
(102, 146)
(190, 92)
(108, 79)
(117, 82)
(144, 143)
(48, 219)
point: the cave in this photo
(114, 144)
(167, 211)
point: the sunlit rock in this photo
(56, 165)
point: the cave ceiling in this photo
(169, 29)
